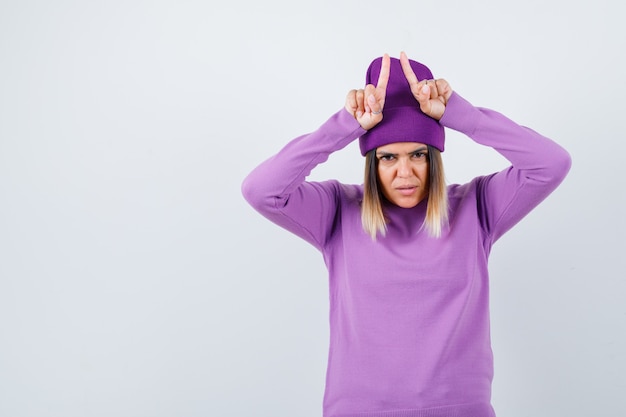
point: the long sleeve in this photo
(278, 190)
(538, 165)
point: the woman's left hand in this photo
(432, 95)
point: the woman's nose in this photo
(404, 168)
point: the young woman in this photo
(406, 254)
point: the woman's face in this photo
(403, 172)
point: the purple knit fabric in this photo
(409, 314)
(403, 121)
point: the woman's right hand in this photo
(366, 105)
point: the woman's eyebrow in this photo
(421, 149)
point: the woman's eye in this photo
(386, 158)
(419, 155)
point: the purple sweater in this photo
(409, 313)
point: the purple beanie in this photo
(403, 121)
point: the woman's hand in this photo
(366, 105)
(432, 95)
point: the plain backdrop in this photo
(136, 281)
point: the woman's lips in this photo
(406, 189)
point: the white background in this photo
(134, 279)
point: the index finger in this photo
(408, 71)
(383, 77)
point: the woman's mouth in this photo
(406, 189)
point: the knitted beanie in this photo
(403, 121)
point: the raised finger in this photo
(383, 77)
(408, 71)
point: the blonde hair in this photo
(372, 216)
